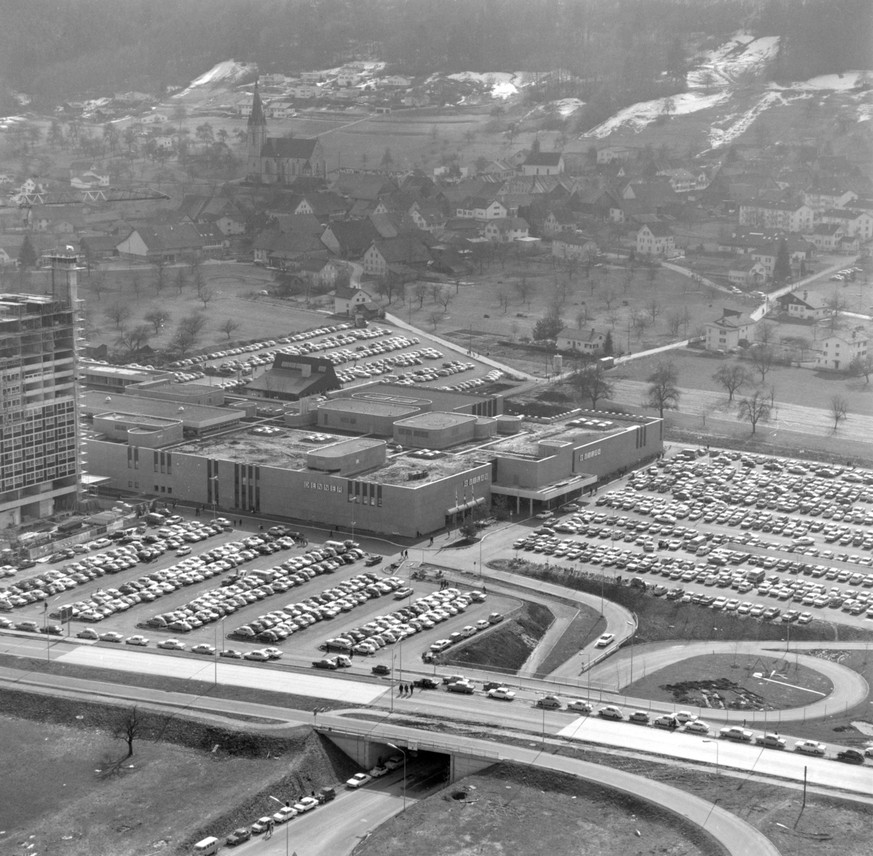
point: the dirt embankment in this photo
(505, 648)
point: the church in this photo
(278, 160)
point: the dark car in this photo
(324, 664)
(851, 756)
(381, 669)
(238, 836)
(426, 684)
(372, 560)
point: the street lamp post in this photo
(715, 743)
(402, 752)
(354, 523)
(287, 823)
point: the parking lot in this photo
(196, 586)
(358, 354)
(792, 539)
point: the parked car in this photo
(697, 726)
(381, 669)
(426, 683)
(610, 711)
(604, 640)
(174, 645)
(640, 717)
(580, 706)
(140, 641)
(810, 747)
(549, 702)
(851, 756)
(238, 836)
(770, 740)
(501, 694)
(736, 733)
(358, 780)
(667, 721)
(203, 648)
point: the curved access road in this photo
(735, 835)
(849, 688)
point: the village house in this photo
(855, 223)
(581, 341)
(477, 208)
(349, 239)
(347, 300)
(803, 306)
(826, 237)
(655, 239)
(792, 217)
(506, 230)
(608, 154)
(746, 272)
(166, 243)
(683, 180)
(822, 197)
(836, 351)
(728, 332)
(405, 253)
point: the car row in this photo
(418, 615)
(392, 763)
(287, 812)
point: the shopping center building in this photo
(383, 459)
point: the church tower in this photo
(256, 136)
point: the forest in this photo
(55, 50)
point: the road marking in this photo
(794, 686)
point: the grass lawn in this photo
(733, 683)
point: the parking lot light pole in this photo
(287, 823)
(402, 752)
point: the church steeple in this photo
(256, 136)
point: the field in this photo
(161, 798)
(521, 810)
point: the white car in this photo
(610, 712)
(604, 639)
(203, 648)
(358, 780)
(141, 641)
(580, 706)
(285, 814)
(305, 804)
(501, 693)
(810, 747)
(697, 726)
(172, 645)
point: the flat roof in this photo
(362, 405)
(289, 449)
(436, 419)
(94, 401)
(139, 418)
(346, 447)
(119, 371)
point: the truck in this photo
(755, 576)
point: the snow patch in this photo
(228, 72)
(638, 116)
(566, 106)
(503, 84)
(739, 55)
(844, 82)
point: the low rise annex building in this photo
(403, 462)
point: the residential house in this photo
(88, 178)
(506, 230)
(543, 163)
(320, 273)
(821, 197)
(363, 185)
(324, 206)
(478, 208)
(683, 180)
(499, 170)
(825, 237)
(280, 109)
(277, 249)
(304, 91)
(223, 212)
(855, 223)
(655, 239)
(608, 154)
(349, 239)
(395, 81)
(167, 243)
(347, 300)
(836, 351)
(98, 247)
(802, 306)
(746, 272)
(728, 332)
(560, 220)
(401, 255)
(429, 217)
(581, 341)
(790, 216)
(574, 245)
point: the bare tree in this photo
(581, 316)
(654, 309)
(754, 409)
(117, 313)
(160, 274)
(731, 377)
(135, 286)
(157, 318)
(839, 410)
(608, 298)
(764, 333)
(133, 340)
(435, 291)
(444, 298)
(663, 391)
(420, 293)
(762, 359)
(435, 318)
(181, 280)
(229, 327)
(862, 366)
(97, 283)
(130, 728)
(523, 287)
(835, 305)
(205, 296)
(503, 301)
(591, 383)
(674, 322)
